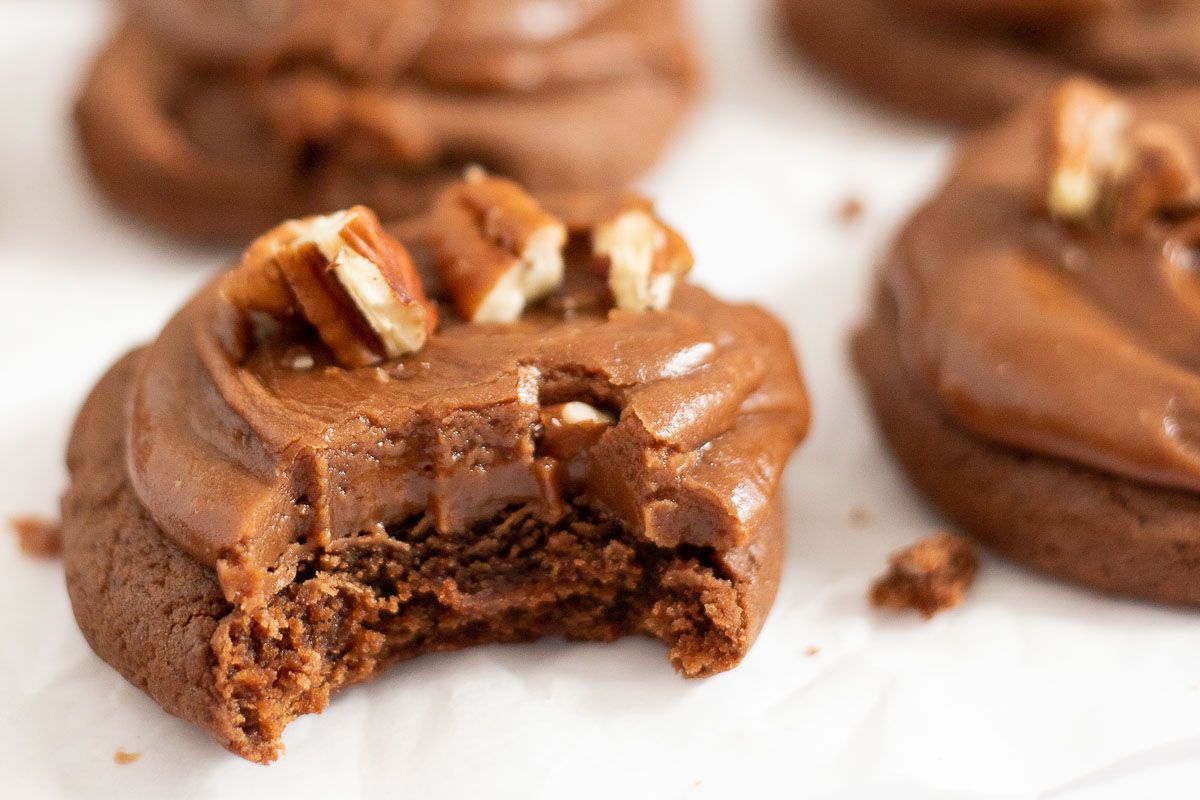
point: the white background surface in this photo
(1030, 689)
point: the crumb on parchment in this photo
(123, 757)
(38, 537)
(851, 210)
(929, 576)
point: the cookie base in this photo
(141, 141)
(366, 602)
(1101, 531)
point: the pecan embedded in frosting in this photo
(1087, 131)
(497, 250)
(346, 276)
(680, 423)
(1160, 175)
(355, 124)
(570, 428)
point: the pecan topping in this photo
(496, 249)
(353, 282)
(644, 256)
(1106, 166)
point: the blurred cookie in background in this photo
(971, 61)
(215, 118)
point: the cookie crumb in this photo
(929, 576)
(38, 537)
(123, 757)
(859, 516)
(811, 650)
(851, 210)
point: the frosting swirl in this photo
(249, 457)
(1059, 339)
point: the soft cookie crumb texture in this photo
(124, 757)
(851, 210)
(389, 595)
(930, 576)
(38, 537)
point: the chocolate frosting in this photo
(250, 448)
(220, 117)
(1057, 339)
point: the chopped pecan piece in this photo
(644, 257)
(1088, 127)
(1159, 175)
(570, 428)
(353, 282)
(1106, 166)
(495, 247)
(929, 576)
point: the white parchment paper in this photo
(1030, 689)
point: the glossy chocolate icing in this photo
(1059, 339)
(249, 448)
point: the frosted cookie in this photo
(1032, 352)
(513, 421)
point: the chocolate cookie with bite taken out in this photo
(515, 420)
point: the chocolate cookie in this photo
(973, 62)
(217, 120)
(1031, 353)
(312, 474)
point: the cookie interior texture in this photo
(373, 599)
